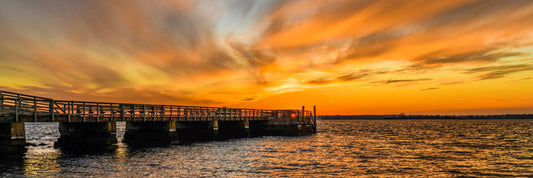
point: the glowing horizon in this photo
(345, 57)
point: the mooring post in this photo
(303, 113)
(314, 118)
(314, 113)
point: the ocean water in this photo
(373, 148)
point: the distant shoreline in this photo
(405, 117)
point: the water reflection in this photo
(425, 148)
(41, 164)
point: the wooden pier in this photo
(146, 124)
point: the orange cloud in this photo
(250, 53)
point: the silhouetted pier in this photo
(85, 124)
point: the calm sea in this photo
(375, 148)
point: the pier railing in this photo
(16, 107)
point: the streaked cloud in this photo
(494, 72)
(244, 52)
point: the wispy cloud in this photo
(395, 81)
(494, 72)
(204, 51)
(426, 89)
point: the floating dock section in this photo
(86, 126)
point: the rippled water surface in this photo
(384, 148)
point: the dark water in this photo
(374, 148)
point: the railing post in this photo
(195, 113)
(51, 110)
(225, 113)
(162, 114)
(179, 113)
(133, 112)
(111, 112)
(97, 112)
(83, 114)
(154, 113)
(34, 109)
(185, 114)
(206, 113)
(170, 112)
(122, 112)
(1, 103)
(70, 107)
(17, 108)
(214, 113)
(144, 113)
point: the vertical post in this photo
(214, 114)
(314, 118)
(83, 114)
(154, 113)
(69, 108)
(195, 113)
(314, 114)
(111, 112)
(34, 109)
(185, 112)
(170, 112)
(303, 113)
(225, 113)
(1, 102)
(17, 108)
(97, 112)
(121, 111)
(133, 112)
(51, 110)
(207, 113)
(163, 112)
(144, 112)
(179, 112)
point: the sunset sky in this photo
(345, 57)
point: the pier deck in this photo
(92, 125)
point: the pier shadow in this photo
(11, 163)
(76, 149)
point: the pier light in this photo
(293, 115)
